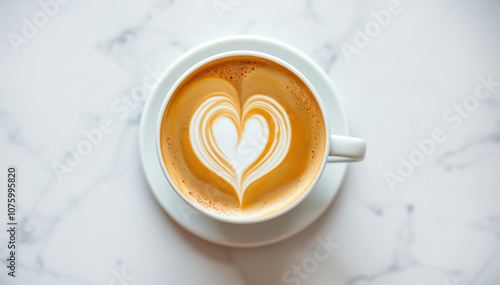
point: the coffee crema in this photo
(242, 136)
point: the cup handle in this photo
(346, 149)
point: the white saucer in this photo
(241, 235)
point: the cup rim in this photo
(203, 210)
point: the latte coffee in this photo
(243, 136)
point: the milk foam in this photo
(236, 144)
(204, 172)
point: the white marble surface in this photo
(440, 226)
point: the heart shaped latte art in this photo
(240, 145)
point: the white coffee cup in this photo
(337, 148)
